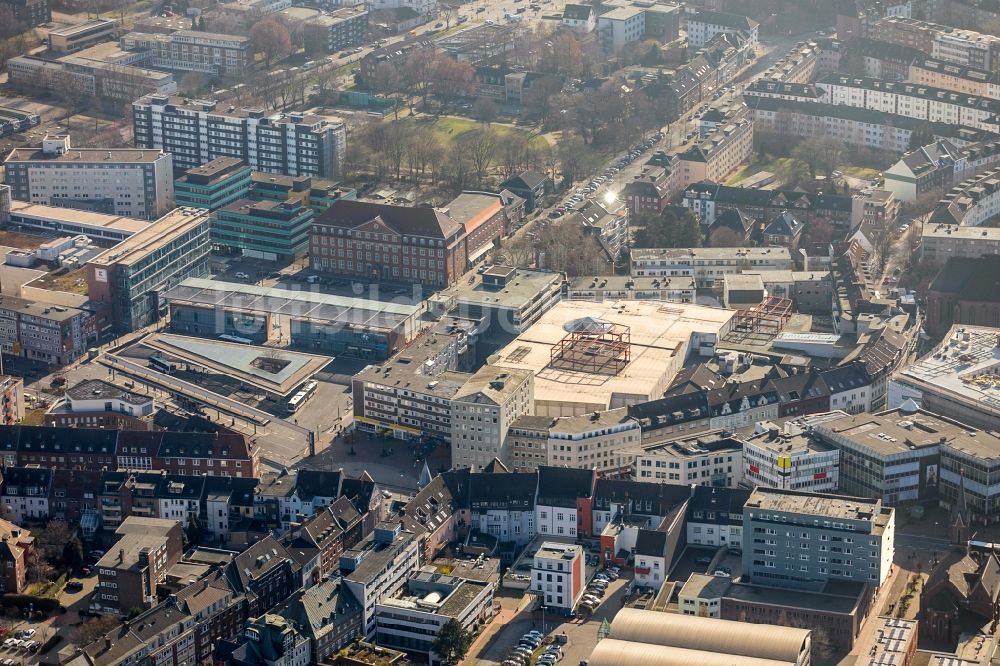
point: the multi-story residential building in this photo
(703, 25)
(706, 265)
(269, 639)
(43, 332)
(413, 620)
(503, 505)
(128, 574)
(327, 614)
(834, 539)
(378, 568)
(11, 399)
(376, 241)
(973, 202)
(266, 573)
(29, 13)
(558, 575)
(600, 288)
(607, 441)
(789, 458)
(410, 395)
(709, 201)
(133, 183)
(651, 190)
(126, 277)
(89, 74)
(484, 409)
(15, 544)
(26, 492)
(268, 230)
(209, 53)
(340, 29)
(219, 183)
(909, 100)
(579, 18)
(709, 459)
(715, 516)
(81, 35)
(197, 132)
(956, 45)
(923, 170)
(861, 128)
(720, 153)
(563, 503)
(940, 242)
(959, 78)
(878, 209)
(621, 26)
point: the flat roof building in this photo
(788, 457)
(507, 299)
(644, 345)
(842, 538)
(130, 277)
(120, 181)
(81, 35)
(317, 322)
(709, 459)
(53, 219)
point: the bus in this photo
(300, 398)
(236, 338)
(159, 364)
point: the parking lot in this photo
(580, 633)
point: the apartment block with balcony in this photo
(196, 132)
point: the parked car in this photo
(703, 560)
(74, 586)
(242, 276)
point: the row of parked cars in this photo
(22, 640)
(608, 174)
(597, 588)
(529, 643)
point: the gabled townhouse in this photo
(323, 533)
(503, 505)
(327, 614)
(15, 544)
(639, 500)
(715, 516)
(265, 573)
(738, 404)
(563, 501)
(26, 492)
(434, 512)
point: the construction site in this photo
(589, 357)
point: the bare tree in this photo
(271, 39)
(725, 237)
(484, 110)
(480, 146)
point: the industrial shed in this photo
(761, 643)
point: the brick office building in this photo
(381, 242)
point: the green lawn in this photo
(864, 173)
(450, 128)
(780, 166)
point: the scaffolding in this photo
(593, 346)
(766, 319)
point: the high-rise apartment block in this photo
(199, 131)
